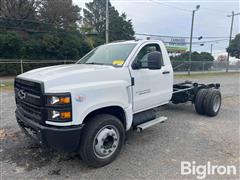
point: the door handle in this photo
(166, 72)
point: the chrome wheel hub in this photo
(106, 142)
(216, 103)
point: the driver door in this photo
(151, 87)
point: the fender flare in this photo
(127, 111)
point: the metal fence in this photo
(204, 66)
(18, 66)
(14, 67)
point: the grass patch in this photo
(6, 86)
(205, 74)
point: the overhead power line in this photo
(171, 6)
(25, 20)
(234, 14)
(185, 37)
(213, 10)
(32, 21)
(216, 10)
(203, 42)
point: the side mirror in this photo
(154, 60)
(136, 65)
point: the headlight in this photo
(58, 100)
(59, 108)
(60, 115)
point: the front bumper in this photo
(58, 138)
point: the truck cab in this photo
(88, 106)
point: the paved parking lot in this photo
(156, 153)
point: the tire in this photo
(212, 102)
(102, 139)
(199, 101)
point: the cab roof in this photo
(134, 41)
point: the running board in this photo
(148, 124)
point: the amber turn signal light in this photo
(64, 100)
(65, 115)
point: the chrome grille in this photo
(29, 99)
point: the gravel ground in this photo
(156, 153)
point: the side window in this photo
(142, 56)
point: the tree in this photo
(200, 61)
(18, 9)
(64, 45)
(10, 45)
(222, 58)
(15, 13)
(61, 13)
(120, 27)
(11, 48)
(18, 14)
(234, 48)
(95, 17)
(55, 45)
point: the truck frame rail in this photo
(187, 91)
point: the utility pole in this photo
(107, 22)
(191, 37)
(211, 49)
(230, 37)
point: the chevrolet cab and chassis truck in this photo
(88, 107)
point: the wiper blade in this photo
(95, 63)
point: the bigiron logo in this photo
(202, 171)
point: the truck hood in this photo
(59, 71)
(67, 75)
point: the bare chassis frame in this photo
(187, 91)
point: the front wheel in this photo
(102, 140)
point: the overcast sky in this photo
(173, 18)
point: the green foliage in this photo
(9, 69)
(120, 27)
(234, 48)
(10, 45)
(60, 13)
(49, 30)
(59, 44)
(19, 9)
(200, 61)
(95, 17)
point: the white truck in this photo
(88, 107)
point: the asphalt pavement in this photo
(155, 153)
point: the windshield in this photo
(109, 54)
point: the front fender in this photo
(127, 112)
(92, 96)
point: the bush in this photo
(199, 61)
(58, 44)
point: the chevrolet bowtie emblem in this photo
(21, 94)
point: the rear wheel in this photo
(199, 101)
(102, 140)
(212, 102)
